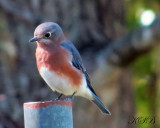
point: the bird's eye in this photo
(47, 35)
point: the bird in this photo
(60, 65)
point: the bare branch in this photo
(18, 13)
(123, 51)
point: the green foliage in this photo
(134, 8)
(141, 99)
(142, 69)
(132, 19)
(142, 103)
(143, 66)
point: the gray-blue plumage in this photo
(77, 63)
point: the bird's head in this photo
(47, 33)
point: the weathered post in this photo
(48, 114)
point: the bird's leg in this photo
(72, 97)
(58, 97)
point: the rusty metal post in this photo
(48, 114)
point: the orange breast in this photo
(57, 59)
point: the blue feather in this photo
(77, 63)
(100, 105)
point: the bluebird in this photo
(60, 65)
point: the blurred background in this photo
(119, 44)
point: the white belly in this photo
(62, 84)
(57, 83)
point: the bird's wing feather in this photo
(77, 61)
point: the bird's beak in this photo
(34, 39)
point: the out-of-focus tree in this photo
(99, 29)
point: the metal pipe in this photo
(48, 114)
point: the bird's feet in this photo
(72, 97)
(58, 98)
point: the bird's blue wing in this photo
(77, 61)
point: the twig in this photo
(20, 14)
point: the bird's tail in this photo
(100, 105)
